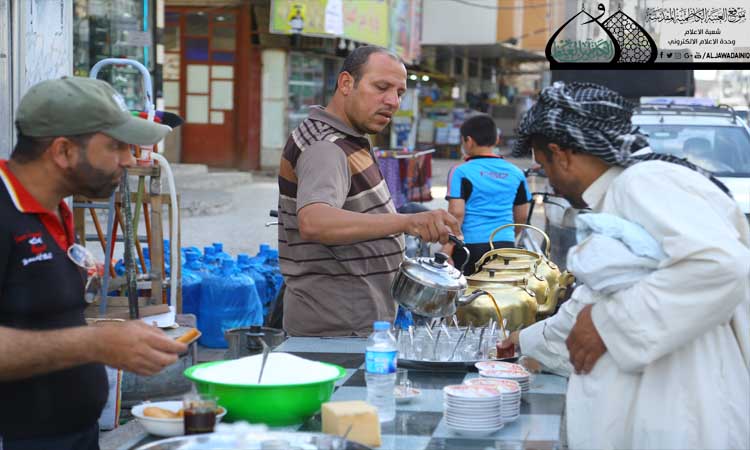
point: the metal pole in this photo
(128, 241)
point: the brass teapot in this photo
(526, 271)
(516, 302)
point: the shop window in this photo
(487, 65)
(225, 18)
(196, 49)
(222, 95)
(197, 108)
(458, 66)
(172, 18)
(331, 69)
(196, 24)
(223, 38)
(171, 94)
(114, 28)
(217, 117)
(171, 37)
(197, 79)
(473, 68)
(223, 57)
(305, 86)
(226, 72)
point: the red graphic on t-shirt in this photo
(34, 240)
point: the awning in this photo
(420, 71)
(498, 50)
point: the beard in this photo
(91, 182)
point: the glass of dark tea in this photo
(505, 349)
(199, 413)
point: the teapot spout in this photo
(468, 299)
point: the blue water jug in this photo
(272, 265)
(228, 300)
(256, 272)
(219, 251)
(191, 284)
(209, 258)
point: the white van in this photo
(711, 137)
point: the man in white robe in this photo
(662, 364)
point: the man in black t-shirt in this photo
(74, 137)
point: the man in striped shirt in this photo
(340, 242)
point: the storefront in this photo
(115, 29)
(211, 79)
(312, 80)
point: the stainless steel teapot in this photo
(430, 286)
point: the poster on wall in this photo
(362, 20)
(405, 28)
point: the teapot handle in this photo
(524, 225)
(460, 244)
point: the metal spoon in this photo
(458, 342)
(481, 338)
(445, 329)
(429, 333)
(435, 347)
(266, 350)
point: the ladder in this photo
(117, 217)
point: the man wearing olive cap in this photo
(74, 137)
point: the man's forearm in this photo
(333, 226)
(25, 353)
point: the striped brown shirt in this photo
(333, 290)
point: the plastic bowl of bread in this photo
(165, 418)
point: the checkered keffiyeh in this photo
(591, 119)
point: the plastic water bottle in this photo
(191, 284)
(381, 359)
(219, 251)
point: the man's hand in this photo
(584, 343)
(514, 337)
(136, 347)
(433, 226)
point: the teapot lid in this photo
(499, 276)
(434, 272)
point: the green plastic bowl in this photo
(274, 405)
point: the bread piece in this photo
(159, 413)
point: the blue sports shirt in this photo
(491, 186)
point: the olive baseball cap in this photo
(73, 105)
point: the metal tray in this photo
(448, 366)
(255, 441)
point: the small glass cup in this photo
(199, 413)
(505, 348)
(403, 383)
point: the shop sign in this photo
(363, 20)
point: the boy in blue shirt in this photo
(484, 192)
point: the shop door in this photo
(207, 61)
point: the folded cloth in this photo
(612, 253)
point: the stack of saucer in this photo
(473, 410)
(505, 371)
(510, 404)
